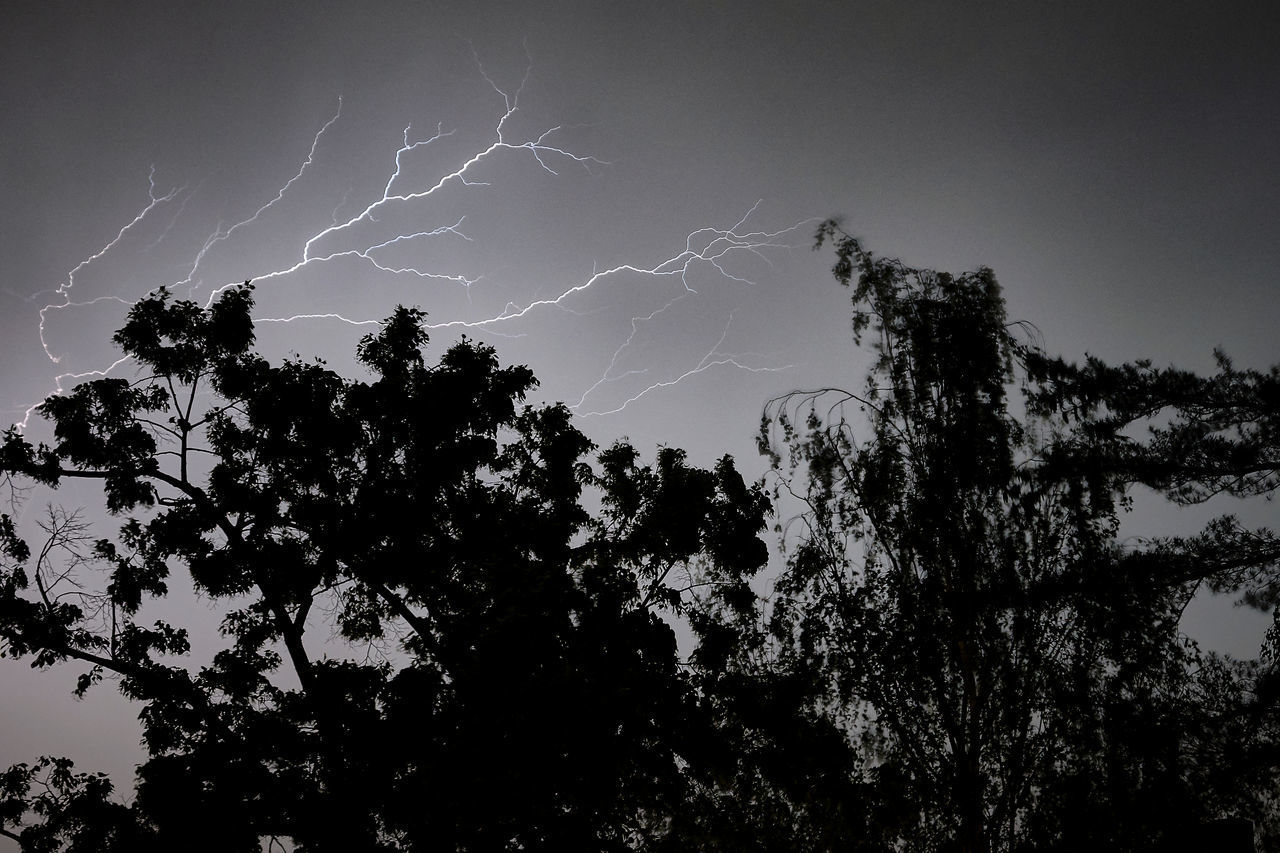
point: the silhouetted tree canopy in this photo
(503, 675)
(448, 621)
(1013, 678)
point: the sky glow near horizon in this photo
(624, 198)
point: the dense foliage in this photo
(502, 677)
(1013, 677)
(447, 621)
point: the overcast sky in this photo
(1113, 162)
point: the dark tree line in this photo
(1016, 679)
(430, 642)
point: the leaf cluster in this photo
(499, 671)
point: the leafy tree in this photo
(1011, 677)
(1193, 438)
(504, 674)
(1204, 437)
(959, 654)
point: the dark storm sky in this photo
(1115, 163)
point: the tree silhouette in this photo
(519, 685)
(447, 620)
(1193, 438)
(1011, 676)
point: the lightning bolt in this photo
(713, 358)
(64, 289)
(706, 251)
(221, 235)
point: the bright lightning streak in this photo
(681, 265)
(219, 235)
(706, 250)
(713, 358)
(329, 316)
(608, 376)
(64, 290)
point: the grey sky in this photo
(1114, 163)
